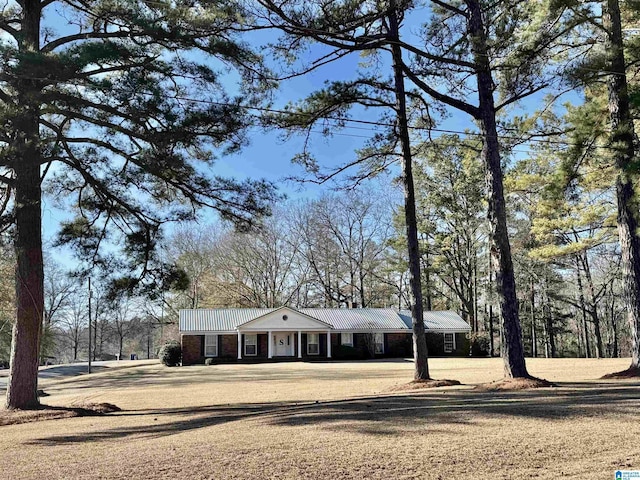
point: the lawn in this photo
(332, 420)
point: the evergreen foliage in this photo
(117, 113)
(170, 354)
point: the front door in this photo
(283, 344)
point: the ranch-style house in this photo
(285, 333)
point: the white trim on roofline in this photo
(328, 326)
(208, 332)
(375, 330)
(283, 329)
(445, 330)
(315, 330)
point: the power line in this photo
(390, 125)
(467, 133)
(351, 135)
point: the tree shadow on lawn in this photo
(183, 376)
(384, 415)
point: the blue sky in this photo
(269, 156)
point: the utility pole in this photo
(89, 368)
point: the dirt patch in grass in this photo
(46, 412)
(628, 373)
(514, 384)
(422, 384)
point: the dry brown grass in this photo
(46, 412)
(422, 385)
(329, 420)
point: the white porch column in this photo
(269, 344)
(299, 343)
(329, 344)
(239, 345)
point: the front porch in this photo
(283, 344)
(285, 333)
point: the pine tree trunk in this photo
(614, 326)
(583, 311)
(492, 345)
(534, 340)
(593, 310)
(580, 336)
(545, 319)
(476, 322)
(513, 352)
(23, 374)
(621, 141)
(548, 320)
(552, 338)
(427, 275)
(420, 353)
(545, 332)
(492, 348)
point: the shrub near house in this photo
(170, 354)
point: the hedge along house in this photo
(270, 334)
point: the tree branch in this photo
(453, 102)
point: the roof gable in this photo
(284, 318)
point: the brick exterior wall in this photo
(396, 345)
(192, 349)
(463, 345)
(335, 343)
(228, 346)
(435, 344)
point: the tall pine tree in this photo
(116, 115)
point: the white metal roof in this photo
(218, 319)
(445, 321)
(358, 319)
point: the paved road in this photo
(62, 371)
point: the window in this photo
(378, 341)
(251, 345)
(313, 344)
(449, 343)
(210, 345)
(346, 339)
